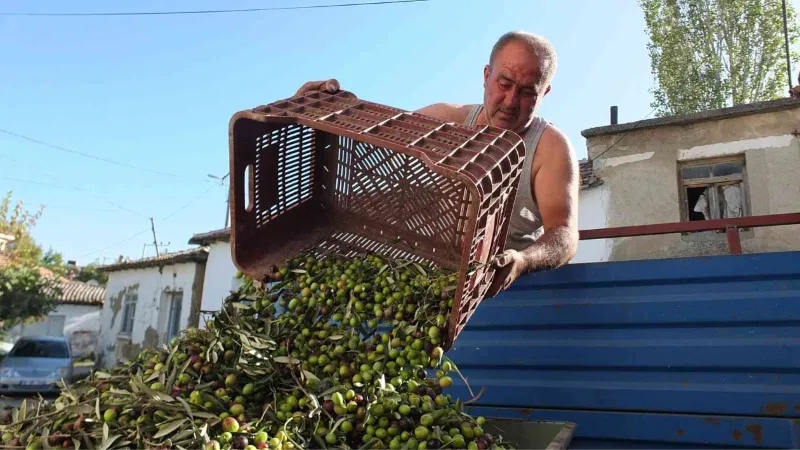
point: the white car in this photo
(36, 365)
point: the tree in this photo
(18, 222)
(54, 261)
(91, 272)
(709, 54)
(24, 292)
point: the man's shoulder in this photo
(555, 144)
(449, 112)
(554, 137)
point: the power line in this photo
(624, 135)
(208, 11)
(148, 229)
(129, 238)
(76, 188)
(98, 158)
(188, 204)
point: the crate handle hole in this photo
(248, 187)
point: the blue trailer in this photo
(697, 352)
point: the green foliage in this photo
(709, 54)
(16, 221)
(25, 293)
(91, 272)
(54, 261)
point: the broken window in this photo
(713, 189)
(128, 313)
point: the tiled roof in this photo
(210, 237)
(589, 178)
(72, 292)
(79, 293)
(191, 255)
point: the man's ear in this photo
(547, 91)
(485, 75)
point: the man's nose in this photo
(511, 99)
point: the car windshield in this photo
(40, 349)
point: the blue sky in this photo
(157, 93)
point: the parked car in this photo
(36, 364)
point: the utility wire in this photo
(76, 188)
(129, 238)
(209, 11)
(147, 230)
(171, 215)
(98, 158)
(624, 135)
(61, 186)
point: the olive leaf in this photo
(102, 375)
(186, 407)
(286, 360)
(168, 428)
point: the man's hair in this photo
(539, 46)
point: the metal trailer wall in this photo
(676, 353)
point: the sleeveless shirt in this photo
(526, 220)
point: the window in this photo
(174, 316)
(128, 313)
(713, 189)
(33, 348)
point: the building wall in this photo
(80, 323)
(641, 175)
(220, 277)
(152, 308)
(592, 215)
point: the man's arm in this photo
(448, 112)
(556, 180)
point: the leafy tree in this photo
(54, 261)
(709, 54)
(91, 272)
(18, 222)
(24, 292)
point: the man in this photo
(543, 233)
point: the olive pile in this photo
(332, 352)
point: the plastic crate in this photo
(333, 172)
(532, 434)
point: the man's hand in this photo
(330, 86)
(510, 265)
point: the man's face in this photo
(511, 90)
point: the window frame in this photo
(741, 180)
(128, 315)
(171, 310)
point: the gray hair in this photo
(538, 45)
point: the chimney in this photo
(614, 111)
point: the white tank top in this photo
(526, 220)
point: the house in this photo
(732, 162)
(148, 301)
(220, 270)
(5, 239)
(77, 316)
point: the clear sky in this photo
(157, 93)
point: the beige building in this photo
(732, 162)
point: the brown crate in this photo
(333, 172)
